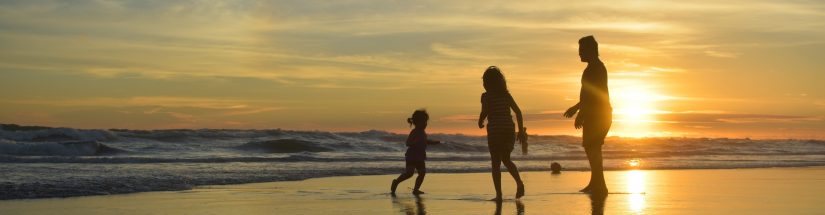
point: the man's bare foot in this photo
(598, 191)
(497, 199)
(585, 189)
(417, 192)
(393, 186)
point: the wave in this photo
(78, 148)
(285, 146)
(196, 142)
(43, 134)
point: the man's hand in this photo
(571, 111)
(481, 124)
(579, 121)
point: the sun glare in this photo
(634, 163)
(636, 182)
(634, 108)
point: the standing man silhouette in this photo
(595, 115)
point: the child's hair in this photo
(494, 80)
(589, 46)
(418, 116)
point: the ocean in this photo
(43, 162)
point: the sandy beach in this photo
(725, 191)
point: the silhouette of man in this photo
(595, 115)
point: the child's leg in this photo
(511, 167)
(496, 166)
(408, 172)
(422, 171)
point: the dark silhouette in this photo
(519, 208)
(597, 203)
(410, 209)
(594, 112)
(496, 104)
(416, 152)
(555, 168)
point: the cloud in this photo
(542, 116)
(252, 111)
(455, 52)
(459, 118)
(625, 68)
(720, 54)
(721, 117)
(158, 101)
(300, 52)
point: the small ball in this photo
(555, 167)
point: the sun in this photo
(635, 105)
(634, 163)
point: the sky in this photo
(688, 69)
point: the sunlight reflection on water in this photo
(636, 183)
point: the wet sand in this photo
(729, 191)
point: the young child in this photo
(416, 151)
(496, 104)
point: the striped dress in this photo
(499, 119)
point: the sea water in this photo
(41, 162)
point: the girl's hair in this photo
(418, 116)
(589, 46)
(494, 80)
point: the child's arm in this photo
(412, 139)
(522, 134)
(522, 131)
(433, 142)
(483, 113)
(519, 118)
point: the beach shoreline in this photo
(717, 191)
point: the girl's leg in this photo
(408, 172)
(422, 171)
(496, 167)
(511, 167)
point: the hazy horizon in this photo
(694, 69)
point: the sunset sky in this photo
(676, 68)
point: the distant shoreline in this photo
(16, 127)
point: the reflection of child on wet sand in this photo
(416, 152)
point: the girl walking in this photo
(496, 104)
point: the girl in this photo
(416, 151)
(595, 113)
(496, 104)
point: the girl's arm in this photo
(519, 118)
(483, 113)
(522, 134)
(412, 139)
(433, 142)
